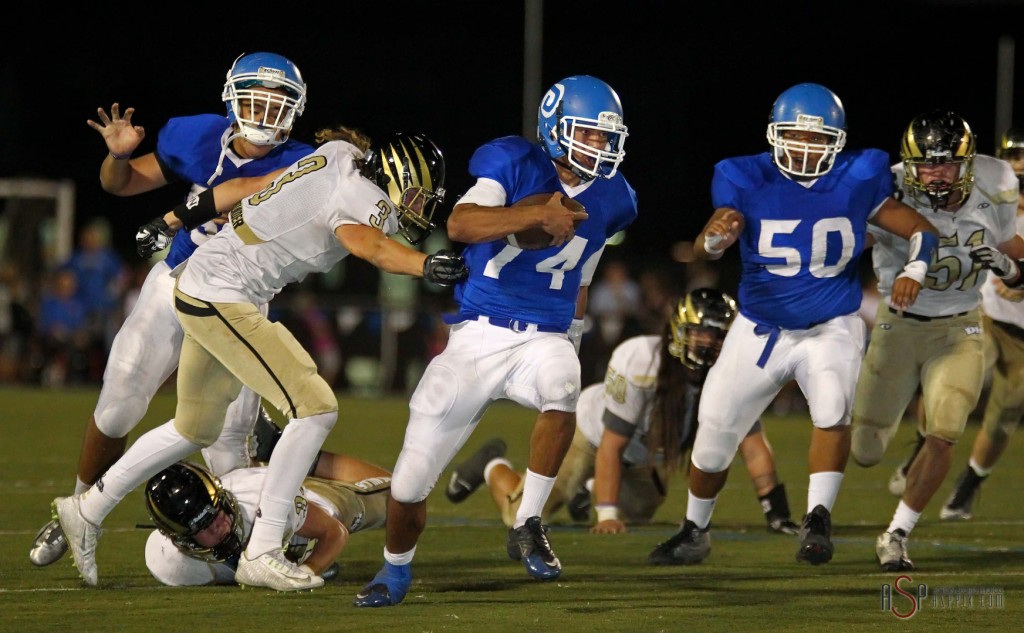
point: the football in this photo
(538, 238)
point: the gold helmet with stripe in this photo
(698, 326)
(184, 499)
(410, 168)
(933, 138)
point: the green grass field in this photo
(463, 580)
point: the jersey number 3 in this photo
(841, 227)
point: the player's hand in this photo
(121, 136)
(562, 215)
(444, 268)
(722, 232)
(609, 526)
(904, 293)
(153, 236)
(996, 261)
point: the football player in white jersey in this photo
(1003, 319)
(633, 429)
(264, 94)
(938, 344)
(342, 199)
(203, 521)
(511, 338)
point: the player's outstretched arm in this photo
(902, 220)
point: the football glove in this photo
(153, 236)
(445, 268)
(999, 263)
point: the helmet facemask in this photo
(184, 500)
(788, 149)
(606, 159)
(410, 169)
(698, 327)
(264, 93)
(938, 138)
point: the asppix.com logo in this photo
(904, 599)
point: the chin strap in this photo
(225, 144)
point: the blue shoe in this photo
(387, 588)
(529, 543)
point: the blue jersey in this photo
(538, 286)
(189, 147)
(800, 246)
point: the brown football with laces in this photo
(537, 238)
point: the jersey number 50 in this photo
(819, 247)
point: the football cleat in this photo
(891, 551)
(272, 570)
(816, 537)
(580, 505)
(387, 588)
(779, 525)
(898, 480)
(966, 489)
(689, 546)
(80, 534)
(469, 475)
(331, 572)
(529, 543)
(264, 437)
(776, 511)
(49, 545)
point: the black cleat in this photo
(469, 475)
(580, 505)
(964, 493)
(776, 511)
(816, 537)
(529, 543)
(689, 546)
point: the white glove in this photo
(576, 334)
(999, 263)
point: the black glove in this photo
(445, 268)
(994, 260)
(153, 236)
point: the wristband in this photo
(117, 156)
(607, 512)
(922, 247)
(711, 242)
(196, 209)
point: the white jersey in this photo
(954, 281)
(626, 392)
(246, 484)
(995, 306)
(283, 233)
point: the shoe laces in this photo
(538, 539)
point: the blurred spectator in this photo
(318, 335)
(101, 279)
(62, 334)
(15, 323)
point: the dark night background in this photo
(697, 80)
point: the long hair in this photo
(668, 406)
(342, 133)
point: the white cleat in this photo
(80, 534)
(49, 545)
(274, 571)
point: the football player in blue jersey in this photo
(511, 337)
(799, 215)
(264, 93)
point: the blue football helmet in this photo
(576, 103)
(809, 108)
(264, 118)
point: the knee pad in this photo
(949, 424)
(714, 448)
(414, 477)
(868, 442)
(199, 433)
(558, 384)
(116, 417)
